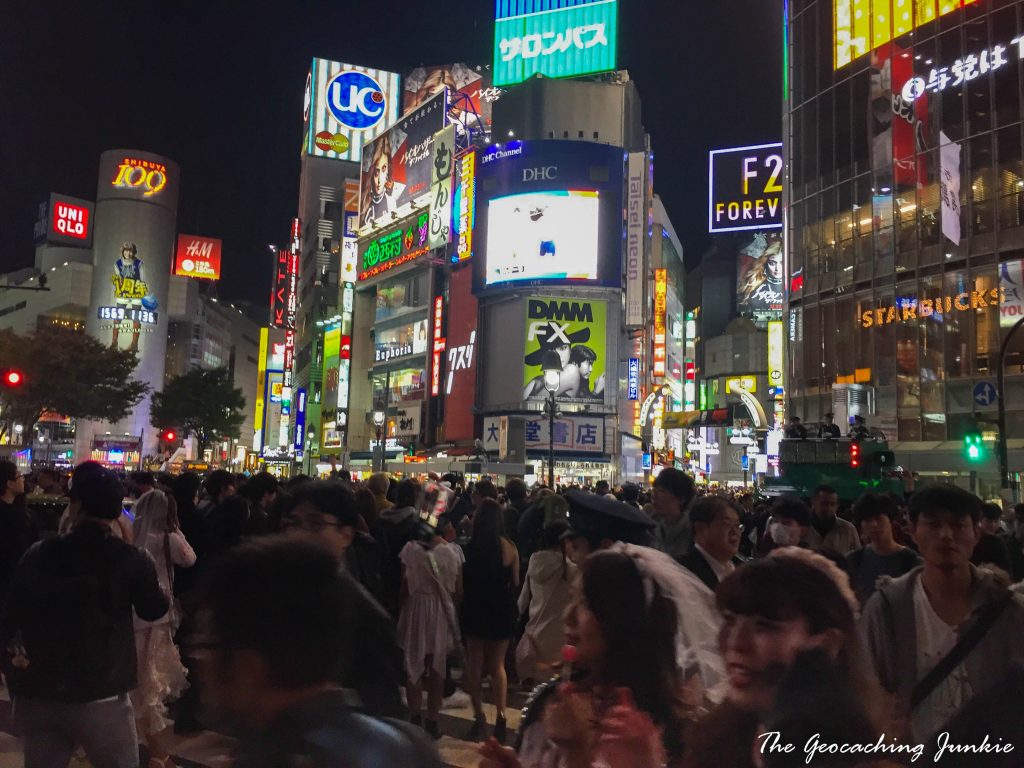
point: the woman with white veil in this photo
(161, 675)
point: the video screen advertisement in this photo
(575, 330)
(760, 293)
(549, 212)
(345, 107)
(396, 166)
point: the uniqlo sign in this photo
(198, 257)
(70, 221)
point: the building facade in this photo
(905, 218)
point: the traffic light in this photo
(168, 435)
(855, 455)
(974, 448)
(11, 377)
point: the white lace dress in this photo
(162, 677)
(427, 625)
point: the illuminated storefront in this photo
(905, 210)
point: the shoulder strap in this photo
(967, 643)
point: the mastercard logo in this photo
(331, 142)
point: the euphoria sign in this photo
(745, 188)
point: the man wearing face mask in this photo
(790, 522)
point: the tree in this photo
(202, 402)
(69, 373)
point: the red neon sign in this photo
(439, 345)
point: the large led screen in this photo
(543, 236)
(550, 213)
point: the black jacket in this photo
(701, 568)
(325, 733)
(71, 602)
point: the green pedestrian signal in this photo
(974, 448)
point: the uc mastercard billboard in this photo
(562, 38)
(863, 25)
(346, 107)
(745, 188)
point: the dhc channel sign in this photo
(356, 100)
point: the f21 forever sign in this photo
(745, 188)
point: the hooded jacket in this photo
(889, 632)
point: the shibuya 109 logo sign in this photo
(145, 175)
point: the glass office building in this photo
(906, 216)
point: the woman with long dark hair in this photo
(624, 705)
(491, 580)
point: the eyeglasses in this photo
(308, 524)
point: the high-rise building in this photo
(906, 219)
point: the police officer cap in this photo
(598, 517)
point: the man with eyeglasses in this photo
(324, 512)
(716, 539)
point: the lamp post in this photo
(552, 366)
(310, 439)
(378, 421)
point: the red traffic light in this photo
(168, 436)
(854, 455)
(13, 378)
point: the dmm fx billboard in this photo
(345, 107)
(549, 212)
(574, 331)
(745, 188)
(554, 38)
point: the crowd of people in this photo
(660, 627)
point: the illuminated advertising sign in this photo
(863, 25)
(734, 384)
(550, 212)
(400, 245)
(261, 386)
(911, 308)
(396, 167)
(465, 205)
(660, 322)
(776, 355)
(346, 107)
(634, 378)
(441, 188)
(198, 257)
(285, 298)
(745, 188)
(760, 293)
(1011, 291)
(961, 71)
(330, 438)
(575, 329)
(461, 358)
(577, 37)
(439, 347)
(144, 176)
(69, 221)
(471, 95)
(400, 341)
(300, 422)
(636, 276)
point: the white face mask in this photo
(781, 534)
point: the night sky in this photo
(218, 85)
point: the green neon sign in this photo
(566, 42)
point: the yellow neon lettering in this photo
(927, 308)
(960, 302)
(866, 319)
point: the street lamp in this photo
(310, 439)
(552, 366)
(378, 421)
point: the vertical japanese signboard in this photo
(461, 355)
(636, 216)
(660, 322)
(441, 188)
(438, 348)
(465, 197)
(776, 356)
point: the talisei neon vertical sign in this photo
(660, 329)
(439, 345)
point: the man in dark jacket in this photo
(716, 539)
(324, 512)
(282, 692)
(68, 627)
